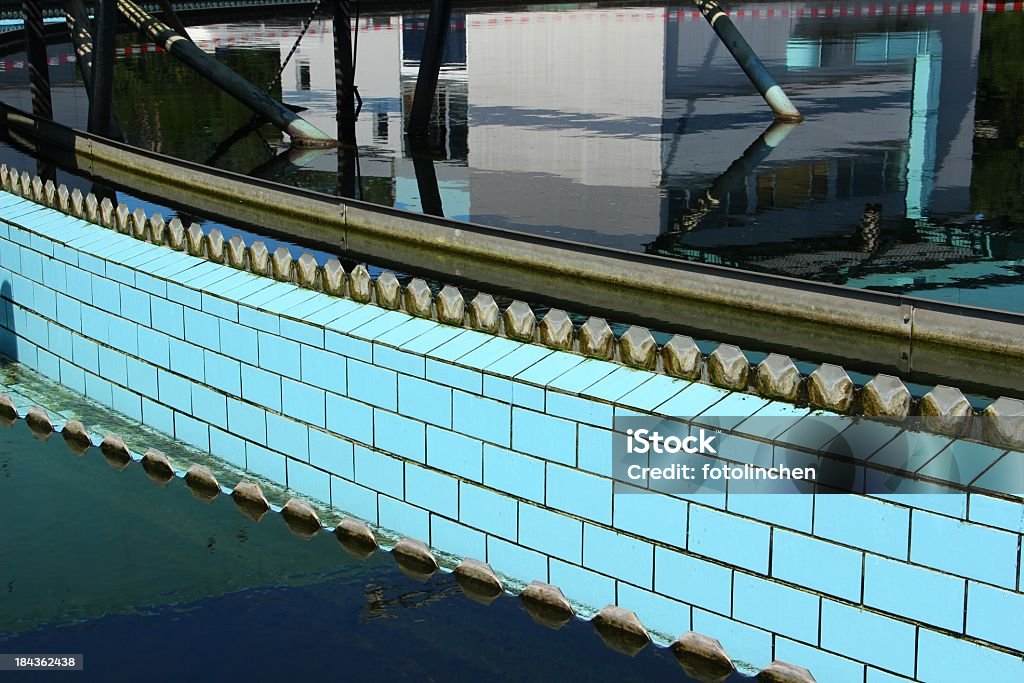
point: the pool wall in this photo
(498, 450)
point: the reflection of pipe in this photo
(35, 52)
(301, 131)
(748, 61)
(734, 176)
(430, 66)
(426, 177)
(103, 67)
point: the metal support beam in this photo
(81, 37)
(171, 17)
(748, 60)
(35, 51)
(103, 68)
(303, 133)
(430, 66)
(344, 72)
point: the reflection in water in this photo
(537, 125)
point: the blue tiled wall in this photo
(498, 450)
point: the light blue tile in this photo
(995, 615)
(526, 356)
(191, 431)
(373, 385)
(868, 637)
(456, 539)
(579, 409)
(651, 515)
(984, 509)
(482, 418)
(202, 329)
(209, 406)
(336, 309)
(399, 435)
(159, 417)
(432, 490)
(223, 373)
(425, 401)
(945, 659)
(550, 532)
(816, 564)
(186, 359)
(459, 346)
(664, 618)
(582, 586)
(489, 353)
(430, 338)
(348, 346)
(168, 317)
(142, 378)
(355, 318)
(222, 308)
(618, 384)
(309, 481)
(310, 307)
(266, 463)
(324, 369)
(964, 549)
(543, 371)
(881, 527)
(354, 499)
(406, 332)
(260, 297)
(730, 539)
(584, 375)
(823, 665)
(455, 376)
(455, 453)
(71, 376)
(330, 453)
(514, 473)
(693, 581)
(775, 607)
(910, 451)
(96, 388)
(247, 420)
(483, 509)
(1006, 476)
(284, 304)
(126, 402)
(259, 320)
(515, 561)
(914, 592)
(579, 493)
(544, 436)
(406, 519)
(303, 402)
(692, 401)
(175, 391)
(239, 341)
(399, 361)
(594, 450)
(380, 325)
(618, 555)
(350, 419)
(379, 472)
(288, 436)
(961, 462)
(731, 410)
(262, 387)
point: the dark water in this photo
(152, 585)
(634, 128)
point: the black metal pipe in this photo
(344, 73)
(103, 67)
(35, 51)
(430, 66)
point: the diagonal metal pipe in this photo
(748, 60)
(302, 133)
